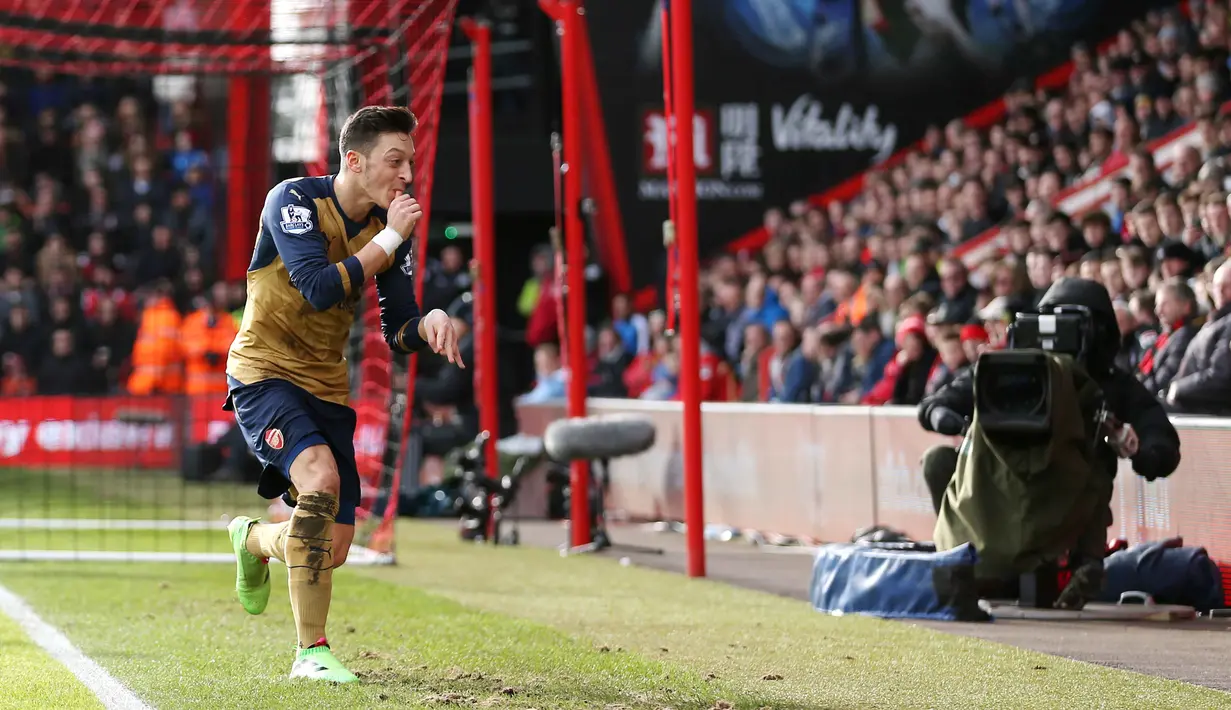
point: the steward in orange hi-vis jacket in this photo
(206, 336)
(157, 358)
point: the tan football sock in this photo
(268, 540)
(309, 562)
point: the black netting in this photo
(129, 471)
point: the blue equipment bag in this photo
(896, 584)
(1166, 571)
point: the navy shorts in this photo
(279, 420)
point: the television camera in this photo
(1013, 386)
(1013, 403)
(482, 502)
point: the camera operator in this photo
(1147, 437)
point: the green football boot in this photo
(317, 662)
(251, 572)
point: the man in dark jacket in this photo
(1157, 450)
(803, 370)
(1135, 339)
(863, 363)
(63, 372)
(1176, 306)
(1203, 383)
(957, 295)
(608, 365)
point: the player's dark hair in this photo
(365, 126)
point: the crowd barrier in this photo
(824, 471)
(820, 472)
(137, 432)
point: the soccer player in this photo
(319, 240)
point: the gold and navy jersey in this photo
(304, 283)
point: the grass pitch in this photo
(120, 494)
(456, 625)
(40, 678)
(460, 625)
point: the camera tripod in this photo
(600, 539)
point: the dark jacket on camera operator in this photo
(1203, 383)
(1158, 451)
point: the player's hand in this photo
(946, 422)
(437, 330)
(404, 214)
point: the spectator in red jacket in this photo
(1176, 306)
(974, 341)
(639, 374)
(907, 373)
(544, 323)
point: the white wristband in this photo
(389, 240)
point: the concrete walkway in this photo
(1197, 652)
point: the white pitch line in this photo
(111, 692)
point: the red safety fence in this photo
(822, 472)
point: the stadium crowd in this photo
(107, 238)
(870, 301)
(107, 242)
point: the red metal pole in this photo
(672, 147)
(575, 246)
(680, 12)
(602, 181)
(249, 162)
(483, 209)
(239, 221)
(366, 17)
(321, 165)
(557, 247)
